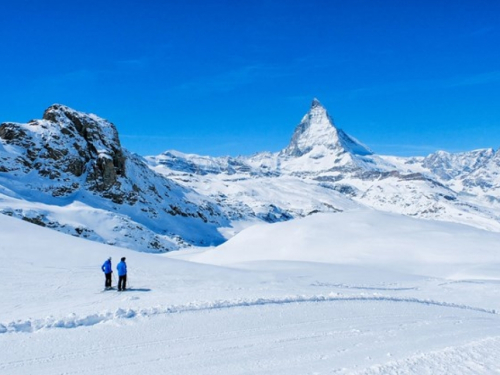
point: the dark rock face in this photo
(69, 142)
(102, 152)
(10, 132)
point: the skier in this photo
(122, 274)
(106, 268)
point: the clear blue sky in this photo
(235, 77)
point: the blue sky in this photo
(236, 77)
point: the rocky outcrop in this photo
(73, 156)
(66, 145)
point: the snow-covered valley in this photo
(404, 296)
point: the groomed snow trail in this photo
(324, 337)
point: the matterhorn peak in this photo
(316, 103)
(317, 134)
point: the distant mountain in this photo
(317, 138)
(317, 134)
(475, 172)
(325, 169)
(69, 172)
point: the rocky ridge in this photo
(70, 157)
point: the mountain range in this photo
(68, 171)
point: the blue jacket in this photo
(106, 267)
(122, 268)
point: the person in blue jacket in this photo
(106, 268)
(122, 275)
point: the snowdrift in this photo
(369, 238)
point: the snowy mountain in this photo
(69, 172)
(317, 132)
(317, 145)
(476, 172)
(324, 169)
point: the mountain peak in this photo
(55, 112)
(317, 131)
(315, 103)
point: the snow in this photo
(368, 237)
(353, 292)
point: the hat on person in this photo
(123, 259)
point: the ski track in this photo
(346, 286)
(74, 321)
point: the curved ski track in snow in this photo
(74, 321)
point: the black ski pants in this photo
(107, 282)
(122, 282)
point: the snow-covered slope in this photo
(370, 309)
(69, 172)
(368, 237)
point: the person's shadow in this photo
(138, 290)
